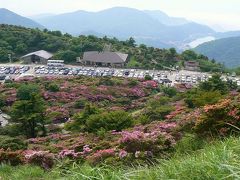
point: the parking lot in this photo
(165, 77)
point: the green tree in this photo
(199, 98)
(131, 42)
(25, 91)
(116, 120)
(80, 119)
(68, 56)
(215, 84)
(189, 55)
(30, 114)
(169, 91)
(53, 87)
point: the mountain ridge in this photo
(122, 22)
(9, 17)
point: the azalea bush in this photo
(156, 137)
(222, 118)
(100, 156)
(43, 159)
(13, 158)
(58, 114)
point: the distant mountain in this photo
(121, 22)
(165, 19)
(226, 50)
(124, 22)
(220, 35)
(11, 18)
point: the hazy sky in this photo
(221, 14)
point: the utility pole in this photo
(10, 58)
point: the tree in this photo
(116, 120)
(215, 84)
(80, 119)
(25, 91)
(198, 98)
(52, 87)
(68, 56)
(131, 42)
(189, 55)
(173, 52)
(30, 114)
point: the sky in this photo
(222, 15)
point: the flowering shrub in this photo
(156, 139)
(101, 155)
(137, 92)
(179, 109)
(40, 158)
(221, 118)
(58, 114)
(12, 157)
(74, 155)
(68, 153)
(123, 154)
(150, 84)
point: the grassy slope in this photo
(219, 160)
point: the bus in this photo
(55, 63)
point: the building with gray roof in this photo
(113, 59)
(38, 57)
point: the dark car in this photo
(2, 78)
(126, 73)
(166, 81)
(65, 72)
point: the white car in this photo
(183, 79)
(238, 83)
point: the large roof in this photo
(105, 57)
(41, 53)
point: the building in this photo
(191, 65)
(110, 59)
(38, 57)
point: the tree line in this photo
(19, 41)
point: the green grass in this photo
(218, 160)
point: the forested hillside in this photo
(225, 50)
(19, 41)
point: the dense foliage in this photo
(19, 41)
(112, 121)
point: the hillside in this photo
(225, 50)
(124, 22)
(19, 41)
(214, 161)
(11, 18)
(118, 128)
